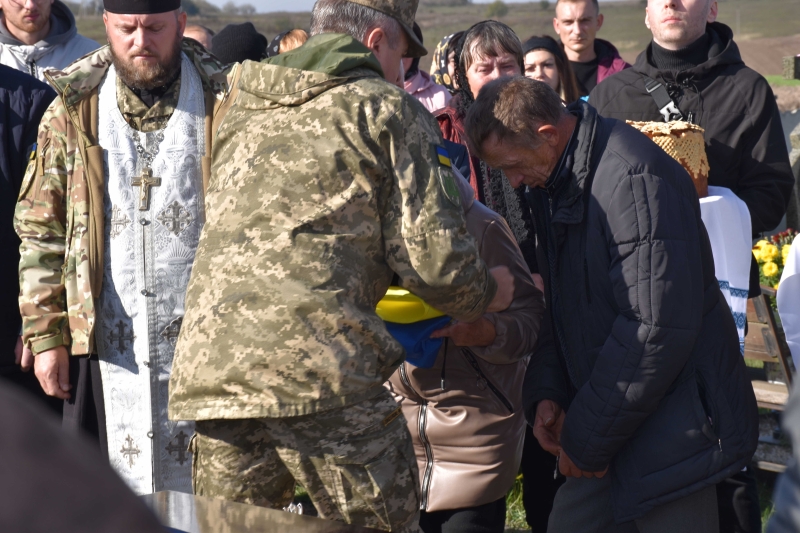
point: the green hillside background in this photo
(769, 27)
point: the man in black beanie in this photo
(692, 71)
(113, 202)
(237, 42)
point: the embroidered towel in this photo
(727, 221)
(789, 300)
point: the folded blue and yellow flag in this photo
(411, 321)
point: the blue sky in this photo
(265, 6)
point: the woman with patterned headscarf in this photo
(488, 50)
(444, 61)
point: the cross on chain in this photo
(122, 338)
(131, 452)
(145, 181)
(180, 447)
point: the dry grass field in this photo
(765, 30)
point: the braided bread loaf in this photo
(685, 144)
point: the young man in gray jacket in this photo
(36, 35)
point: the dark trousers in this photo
(737, 499)
(538, 486)
(487, 518)
(85, 411)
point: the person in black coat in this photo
(713, 88)
(700, 71)
(23, 101)
(637, 383)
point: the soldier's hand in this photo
(52, 370)
(23, 356)
(505, 289)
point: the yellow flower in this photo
(770, 252)
(776, 286)
(770, 269)
(760, 244)
(785, 252)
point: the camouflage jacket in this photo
(326, 181)
(60, 214)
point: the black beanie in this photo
(236, 42)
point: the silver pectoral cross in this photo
(144, 182)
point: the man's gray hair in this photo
(511, 110)
(355, 20)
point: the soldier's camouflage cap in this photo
(403, 11)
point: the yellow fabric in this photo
(402, 307)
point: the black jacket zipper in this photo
(708, 407)
(471, 358)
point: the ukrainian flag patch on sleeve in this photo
(444, 156)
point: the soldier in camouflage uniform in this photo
(327, 181)
(72, 239)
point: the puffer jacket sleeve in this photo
(517, 327)
(425, 236)
(652, 227)
(40, 221)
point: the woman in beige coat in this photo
(464, 413)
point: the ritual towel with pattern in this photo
(727, 222)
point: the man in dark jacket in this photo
(638, 373)
(593, 60)
(704, 75)
(694, 65)
(23, 101)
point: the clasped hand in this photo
(547, 430)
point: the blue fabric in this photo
(421, 350)
(459, 157)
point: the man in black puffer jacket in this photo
(696, 60)
(640, 376)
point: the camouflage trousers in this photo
(357, 463)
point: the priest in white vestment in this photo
(110, 215)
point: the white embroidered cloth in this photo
(789, 300)
(148, 261)
(727, 221)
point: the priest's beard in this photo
(148, 77)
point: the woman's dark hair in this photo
(485, 39)
(567, 83)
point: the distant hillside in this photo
(756, 24)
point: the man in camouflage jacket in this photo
(60, 218)
(326, 182)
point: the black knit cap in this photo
(236, 42)
(140, 7)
